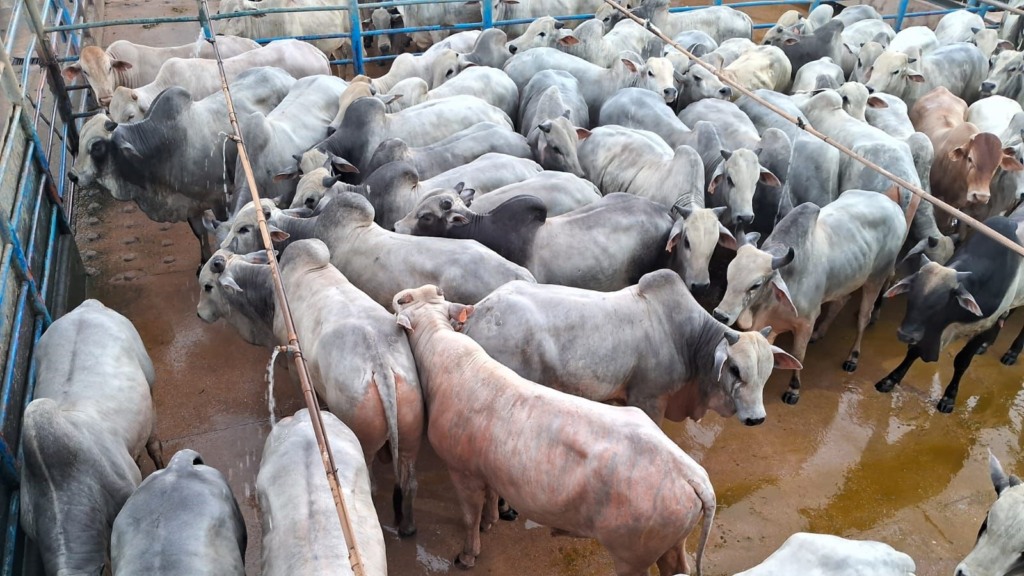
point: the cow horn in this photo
(962, 277)
(732, 337)
(545, 126)
(440, 292)
(217, 264)
(559, 25)
(682, 211)
(780, 261)
(329, 181)
(766, 331)
(726, 154)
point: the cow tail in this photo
(387, 388)
(707, 498)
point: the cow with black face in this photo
(999, 550)
(968, 298)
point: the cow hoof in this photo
(945, 405)
(790, 397)
(509, 515)
(463, 565)
(406, 531)
(850, 366)
(486, 526)
(886, 385)
(1008, 359)
(982, 349)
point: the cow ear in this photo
(957, 153)
(402, 319)
(901, 287)
(675, 235)
(630, 65)
(128, 150)
(71, 72)
(967, 301)
(210, 221)
(790, 41)
(568, 40)
(715, 181)
(121, 65)
(276, 234)
(915, 76)
(721, 355)
(388, 98)
(769, 179)
(1009, 161)
(781, 292)
(582, 133)
(342, 165)
(258, 257)
(725, 238)
(876, 102)
(751, 238)
(784, 360)
(230, 285)
(466, 195)
(286, 175)
(459, 313)
(456, 219)
(1000, 480)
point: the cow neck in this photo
(128, 78)
(430, 329)
(255, 303)
(700, 353)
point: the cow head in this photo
(697, 83)
(445, 67)
(382, 19)
(238, 289)
(856, 100)
(93, 163)
(102, 72)
(938, 297)
(414, 305)
(1006, 75)
(692, 241)
(866, 57)
(556, 142)
(998, 550)
(544, 32)
(236, 26)
(243, 235)
(356, 89)
(735, 179)
(743, 363)
(656, 75)
(438, 211)
(980, 157)
(755, 282)
(894, 73)
(125, 105)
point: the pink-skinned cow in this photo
(584, 469)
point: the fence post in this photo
(901, 13)
(357, 36)
(488, 14)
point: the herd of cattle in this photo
(505, 236)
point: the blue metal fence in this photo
(40, 271)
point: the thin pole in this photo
(970, 221)
(282, 303)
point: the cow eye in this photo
(243, 230)
(859, 63)
(650, 73)
(427, 217)
(556, 149)
(728, 179)
(208, 288)
(895, 72)
(697, 79)
(541, 35)
(686, 243)
(734, 371)
(756, 285)
(97, 148)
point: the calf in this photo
(181, 521)
(83, 434)
(680, 366)
(641, 508)
(814, 256)
(966, 299)
(999, 540)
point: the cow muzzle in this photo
(754, 421)
(987, 88)
(743, 219)
(908, 337)
(699, 287)
(512, 48)
(725, 92)
(722, 317)
(978, 197)
(670, 95)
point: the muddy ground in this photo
(847, 460)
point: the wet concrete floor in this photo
(846, 460)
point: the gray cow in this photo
(182, 521)
(560, 192)
(961, 68)
(301, 534)
(679, 365)
(644, 110)
(1000, 539)
(382, 263)
(815, 256)
(134, 161)
(83, 435)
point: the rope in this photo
(917, 191)
(293, 349)
(271, 402)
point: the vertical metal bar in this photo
(901, 13)
(49, 61)
(357, 36)
(12, 29)
(13, 512)
(488, 14)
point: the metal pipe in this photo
(1002, 6)
(900, 14)
(972, 222)
(53, 71)
(315, 417)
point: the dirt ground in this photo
(847, 460)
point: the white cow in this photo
(809, 554)
(293, 24)
(997, 551)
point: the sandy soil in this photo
(846, 460)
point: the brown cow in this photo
(965, 157)
(585, 469)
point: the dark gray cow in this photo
(680, 366)
(83, 435)
(800, 49)
(228, 288)
(182, 521)
(174, 162)
(644, 110)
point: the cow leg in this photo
(155, 449)
(471, 493)
(961, 363)
(876, 310)
(896, 376)
(868, 296)
(490, 513)
(1010, 358)
(505, 511)
(199, 229)
(834, 308)
(410, 433)
(673, 561)
(801, 337)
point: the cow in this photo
(548, 95)
(1005, 118)
(134, 161)
(590, 42)
(83, 434)
(824, 42)
(641, 110)
(820, 554)
(372, 387)
(367, 124)
(1005, 79)
(301, 534)
(435, 68)
(456, 150)
(966, 159)
(958, 26)
(719, 22)
(808, 77)
(605, 256)
(760, 67)
(445, 14)
(489, 50)
(597, 84)
(560, 192)
(181, 521)
(619, 159)
(996, 550)
(639, 518)
(489, 84)
(856, 35)
(697, 83)
(346, 226)
(385, 19)
(276, 25)
(965, 299)
(919, 38)
(815, 256)
(866, 56)
(680, 367)
(239, 289)
(359, 87)
(958, 67)
(201, 78)
(131, 65)
(519, 9)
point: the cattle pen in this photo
(852, 476)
